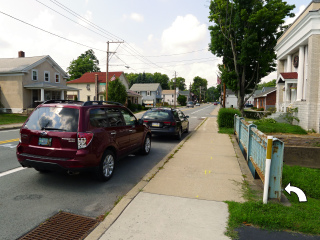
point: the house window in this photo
(35, 75)
(47, 76)
(101, 98)
(88, 87)
(138, 92)
(57, 77)
(88, 98)
(148, 93)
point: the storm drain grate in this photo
(63, 226)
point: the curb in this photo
(117, 210)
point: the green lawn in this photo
(279, 128)
(300, 217)
(8, 118)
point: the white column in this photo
(300, 73)
(289, 63)
(305, 73)
(42, 95)
(62, 94)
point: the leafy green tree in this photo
(245, 33)
(198, 83)
(272, 83)
(86, 62)
(182, 100)
(163, 79)
(180, 83)
(116, 91)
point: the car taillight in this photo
(169, 123)
(84, 139)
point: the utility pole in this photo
(200, 95)
(107, 69)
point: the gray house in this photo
(151, 93)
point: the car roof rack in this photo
(89, 103)
(61, 101)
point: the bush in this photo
(226, 117)
(260, 109)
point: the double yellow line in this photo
(8, 141)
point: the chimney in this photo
(21, 54)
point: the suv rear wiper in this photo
(48, 128)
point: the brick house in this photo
(266, 99)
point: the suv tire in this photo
(179, 135)
(106, 167)
(146, 146)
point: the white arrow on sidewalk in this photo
(302, 197)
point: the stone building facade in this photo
(298, 57)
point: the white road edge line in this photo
(11, 171)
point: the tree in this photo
(199, 83)
(245, 34)
(180, 83)
(86, 62)
(182, 100)
(272, 83)
(116, 91)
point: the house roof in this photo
(265, 93)
(167, 92)
(24, 64)
(186, 92)
(289, 75)
(145, 87)
(132, 93)
(89, 77)
(49, 86)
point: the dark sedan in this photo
(166, 121)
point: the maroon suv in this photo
(74, 136)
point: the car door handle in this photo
(113, 133)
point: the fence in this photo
(253, 144)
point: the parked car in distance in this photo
(215, 103)
(190, 104)
(197, 104)
(248, 105)
(166, 121)
(75, 136)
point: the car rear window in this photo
(54, 118)
(159, 115)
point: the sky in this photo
(166, 36)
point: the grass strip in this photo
(280, 128)
(9, 118)
(300, 217)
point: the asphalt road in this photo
(28, 198)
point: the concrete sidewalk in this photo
(182, 197)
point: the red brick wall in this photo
(271, 98)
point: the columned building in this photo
(298, 57)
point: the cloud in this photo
(291, 20)
(134, 16)
(184, 34)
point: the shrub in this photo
(272, 109)
(226, 117)
(260, 109)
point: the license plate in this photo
(155, 124)
(45, 141)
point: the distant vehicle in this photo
(197, 104)
(248, 105)
(75, 136)
(215, 103)
(190, 104)
(166, 121)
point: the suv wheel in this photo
(187, 129)
(146, 146)
(106, 167)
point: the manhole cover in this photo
(63, 226)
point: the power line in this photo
(51, 32)
(168, 55)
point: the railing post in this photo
(249, 140)
(276, 170)
(267, 170)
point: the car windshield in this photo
(54, 118)
(159, 115)
(190, 102)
